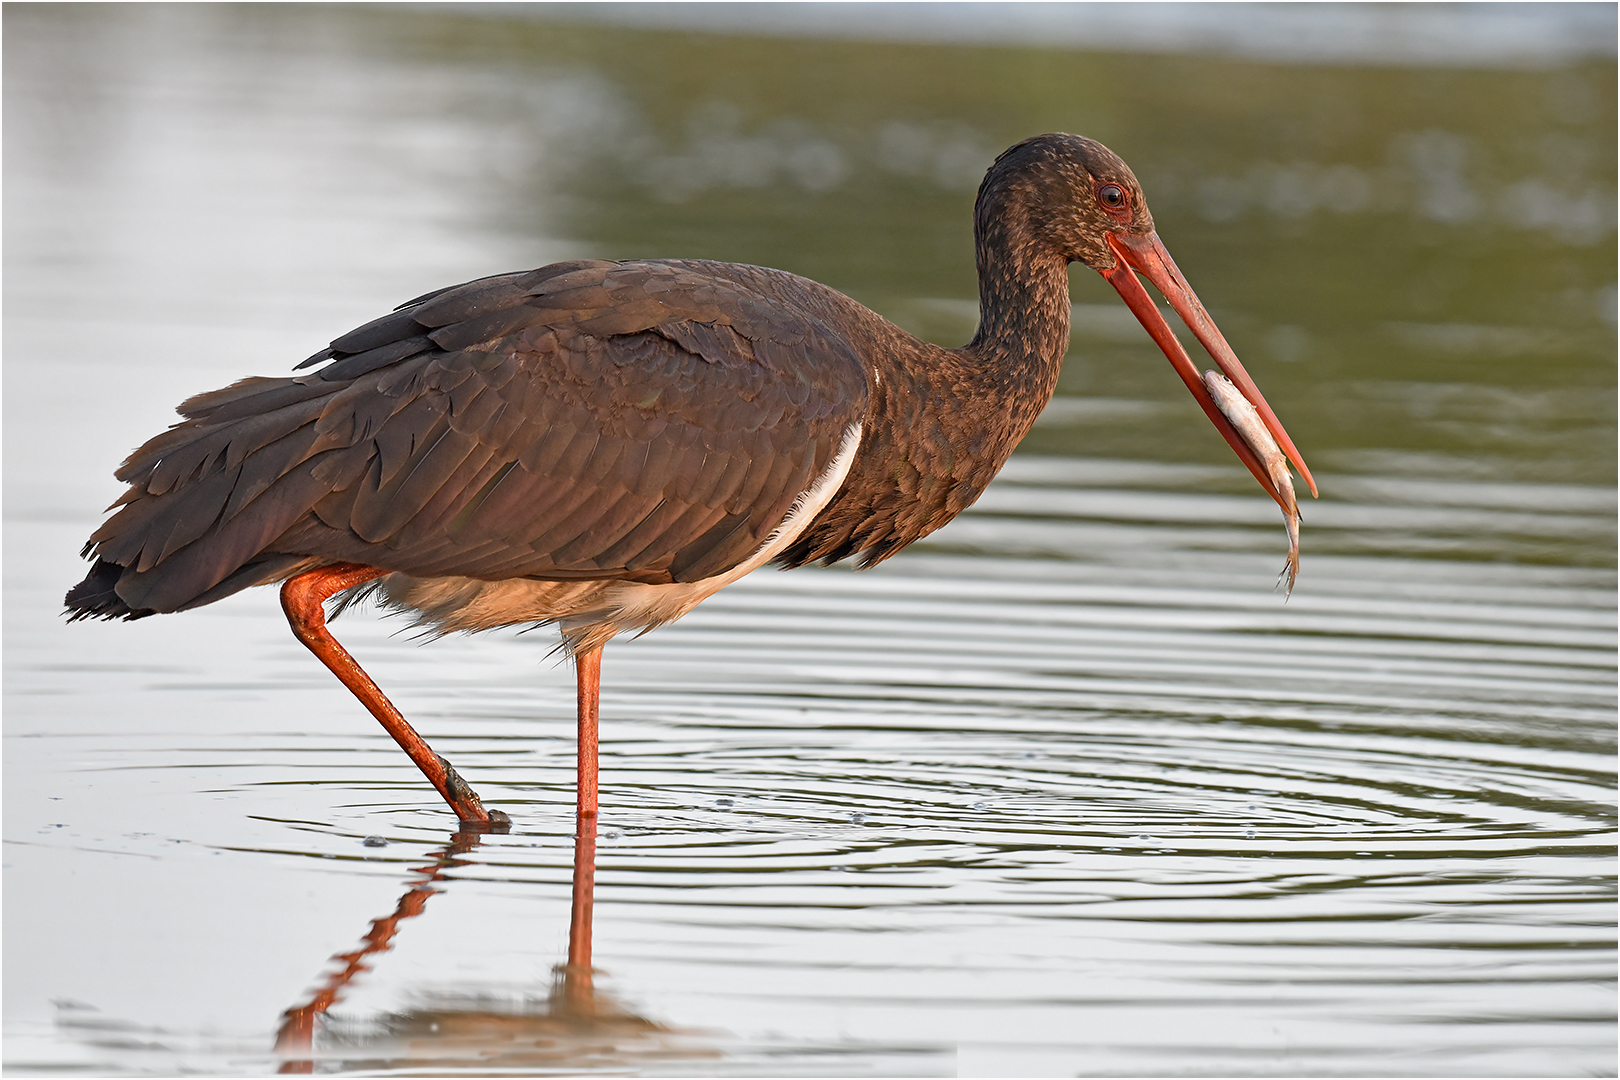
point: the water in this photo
(1064, 789)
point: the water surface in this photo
(1065, 789)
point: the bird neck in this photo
(1023, 301)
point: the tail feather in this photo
(96, 597)
(205, 500)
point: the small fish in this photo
(1246, 419)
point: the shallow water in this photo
(1065, 789)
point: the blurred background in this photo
(1402, 217)
(1405, 217)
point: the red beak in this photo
(1146, 255)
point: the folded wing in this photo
(644, 421)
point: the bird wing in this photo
(646, 421)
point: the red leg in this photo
(588, 671)
(302, 598)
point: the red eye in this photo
(1113, 197)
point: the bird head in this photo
(1063, 195)
(1071, 198)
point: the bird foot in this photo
(498, 822)
(468, 806)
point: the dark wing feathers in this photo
(646, 421)
(704, 556)
(352, 367)
(489, 326)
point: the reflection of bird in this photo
(603, 445)
(573, 1027)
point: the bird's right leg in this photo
(303, 598)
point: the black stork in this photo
(603, 445)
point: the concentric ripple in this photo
(966, 806)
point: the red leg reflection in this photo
(295, 1038)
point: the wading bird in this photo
(603, 445)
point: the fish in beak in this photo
(1246, 419)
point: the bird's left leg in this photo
(588, 671)
(303, 598)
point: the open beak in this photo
(1146, 255)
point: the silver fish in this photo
(1246, 420)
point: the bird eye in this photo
(1112, 196)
